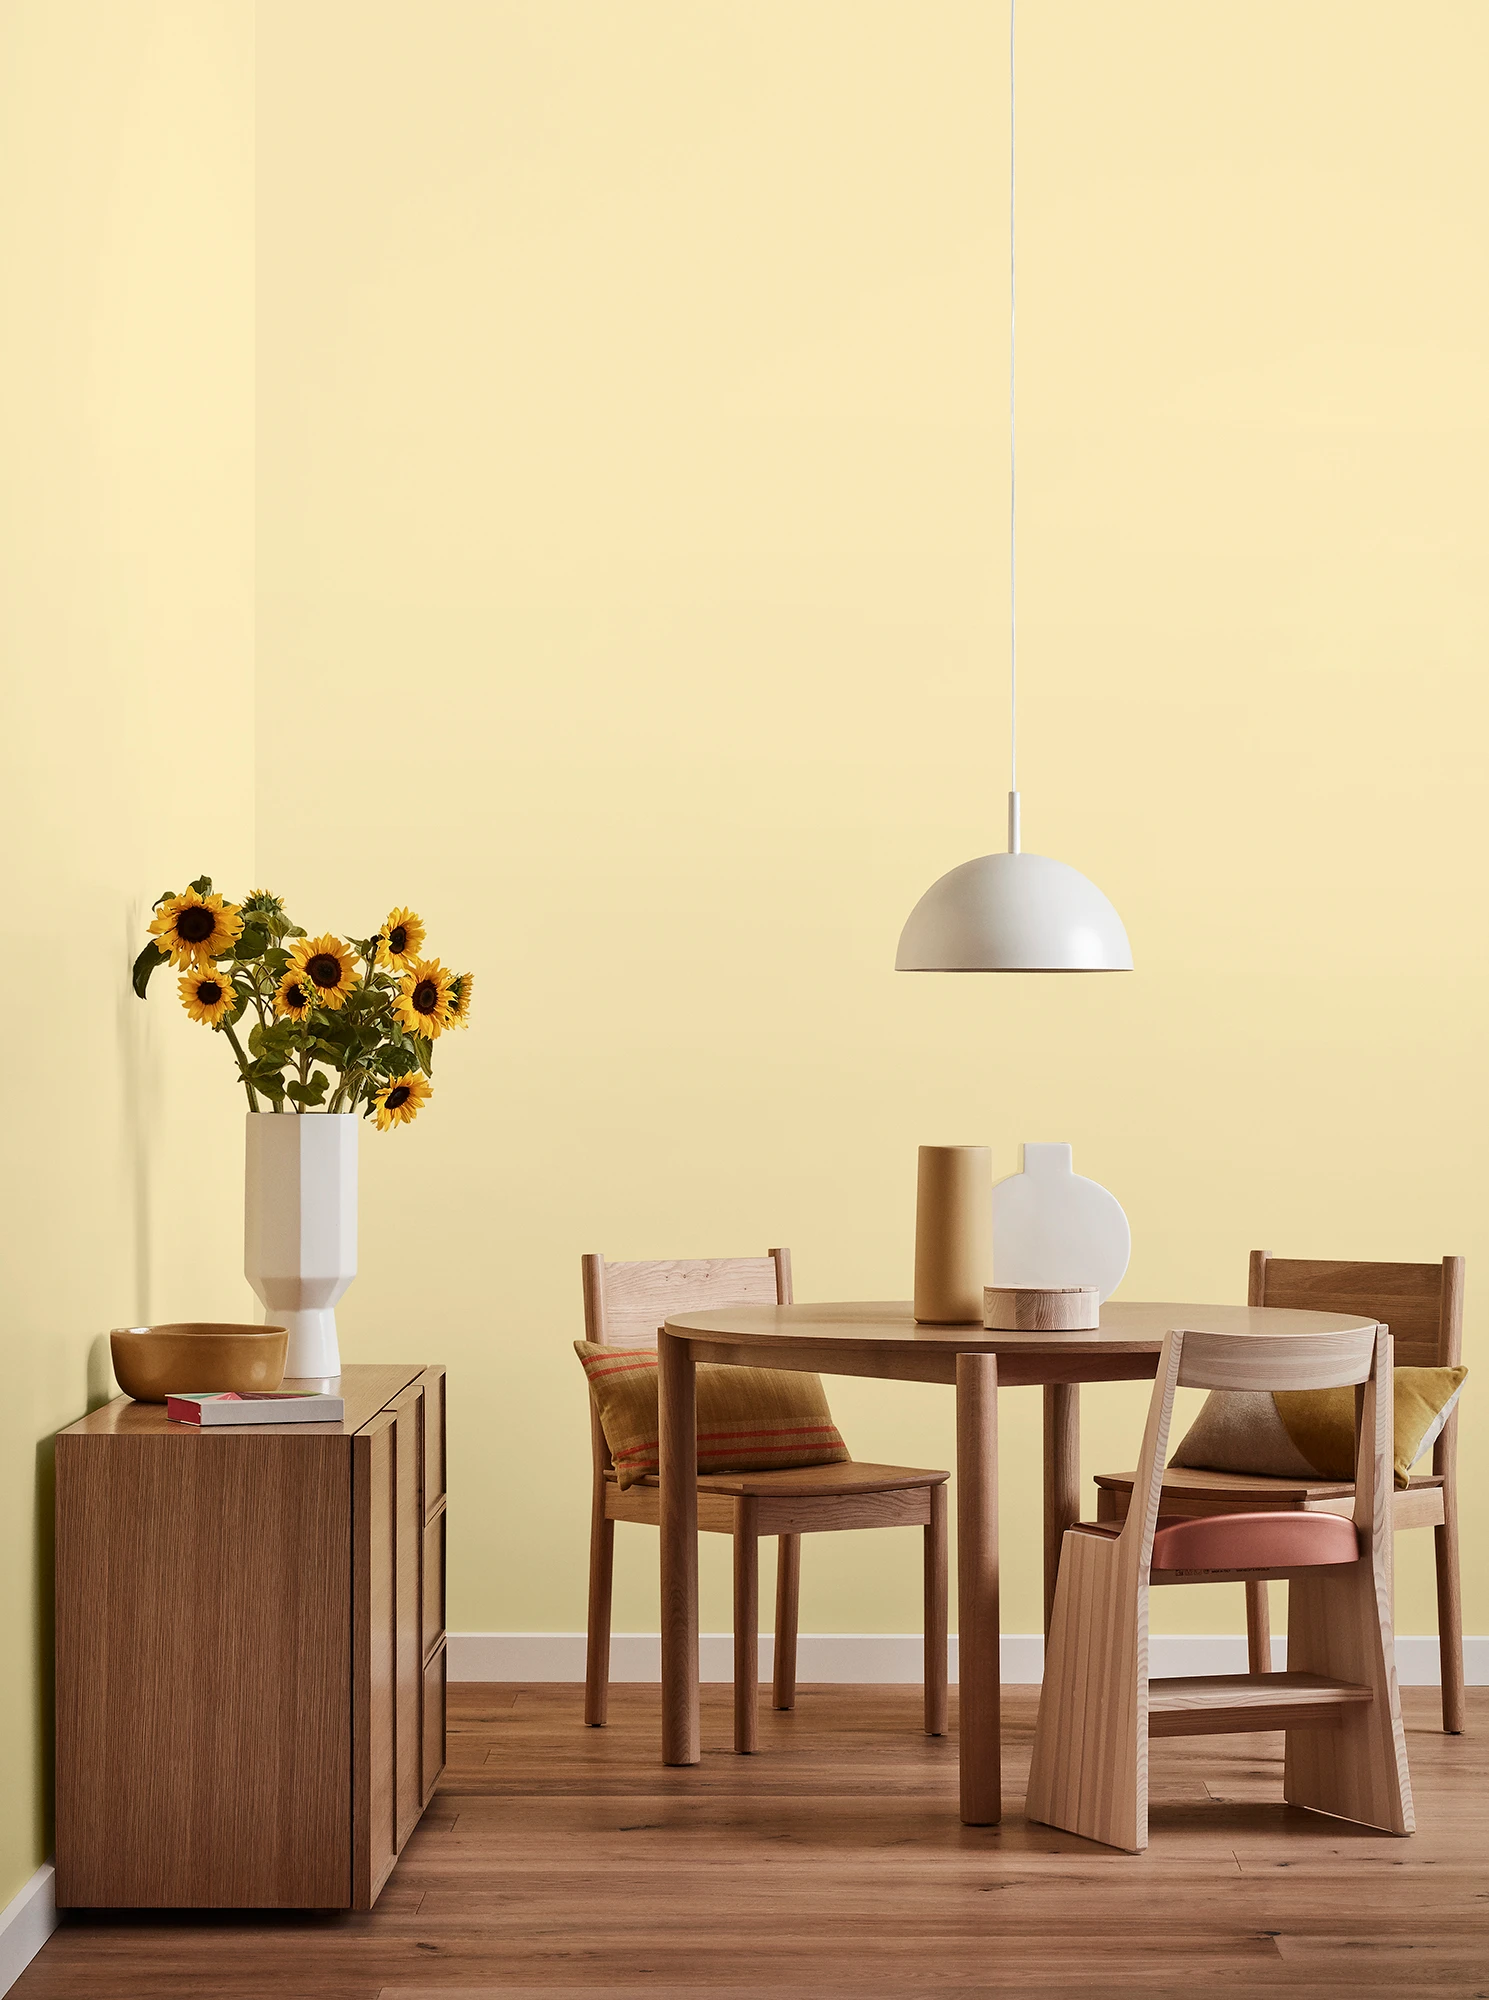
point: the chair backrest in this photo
(1422, 1304)
(624, 1304)
(1260, 1362)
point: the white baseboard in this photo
(26, 1922)
(879, 1658)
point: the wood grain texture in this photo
(1062, 1479)
(559, 1863)
(678, 1519)
(1338, 1702)
(1216, 1704)
(979, 1669)
(374, 1802)
(198, 1578)
(746, 1625)
(937, 1613)
(1025, 1309)
(618, 1300)
(364, 1390)
(788, 1620)
(408, 1501)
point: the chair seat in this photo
(853, 1477)
(1255, 1541)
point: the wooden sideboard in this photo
(250, 1650)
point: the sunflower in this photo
(423, 1003)
(399, 1099)
(193, 930)
(402, 937)
(327, 968)
(460, 1000)
(207, 996)
(294, 997)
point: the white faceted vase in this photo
(300, 1227)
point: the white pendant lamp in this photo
(1013, 912)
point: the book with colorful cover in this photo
(254, 1406)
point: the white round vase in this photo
(300, 1227)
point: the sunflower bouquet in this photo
(335, 1023)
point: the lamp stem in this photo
(1013, 822)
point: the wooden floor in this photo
(559, 1861)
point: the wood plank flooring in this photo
(557, 1862)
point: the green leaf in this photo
(164, 897)
(145, 964)
(203, 885)
(307, 1093)
(426, 1055)
(397, 1062)
(252, 943)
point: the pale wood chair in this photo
(624, 1306)
(1422, 1305)
(1338, 1702)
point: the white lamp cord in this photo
(1013, 543)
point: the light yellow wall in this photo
(126, 659)
(631, 598)
(632, 494)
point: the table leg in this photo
(677, 1393)
(1062, 1478)
(979, 1689)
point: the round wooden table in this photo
(884, 1340)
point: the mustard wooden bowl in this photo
(153, 1362)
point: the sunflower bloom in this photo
(402, 938)
(460, 1000)
(423, 1003)
(326, 967)
(207, 996)
(398, 1102)
(294, 997)
(193, 930)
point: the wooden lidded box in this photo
(250, 1650)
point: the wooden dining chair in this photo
(1338, 1701)
(624, 1306)
(1422, 1304)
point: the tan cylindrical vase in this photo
(953, 1234)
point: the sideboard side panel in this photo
(374, 1654)
(203, 1671)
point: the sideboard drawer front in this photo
(434, 1583)
(434, 1723)
(434, 1438)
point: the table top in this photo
(877, 1334)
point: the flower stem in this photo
(227, 1029)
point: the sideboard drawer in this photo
(434, 1722)
(434, 1438)
(434, 1582)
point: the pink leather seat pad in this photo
(1255, 1541)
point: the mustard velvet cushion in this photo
(749, 1419)
(1310, 1433)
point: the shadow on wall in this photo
(46, 1487)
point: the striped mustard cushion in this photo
(749, 1419)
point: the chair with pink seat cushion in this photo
(1338, 1701)
(1255, 1541)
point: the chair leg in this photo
(788, 1598)
(746, 1623)
(1258, 1629)
(1450, 1612)
(597, 1644)
(936, 1603)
